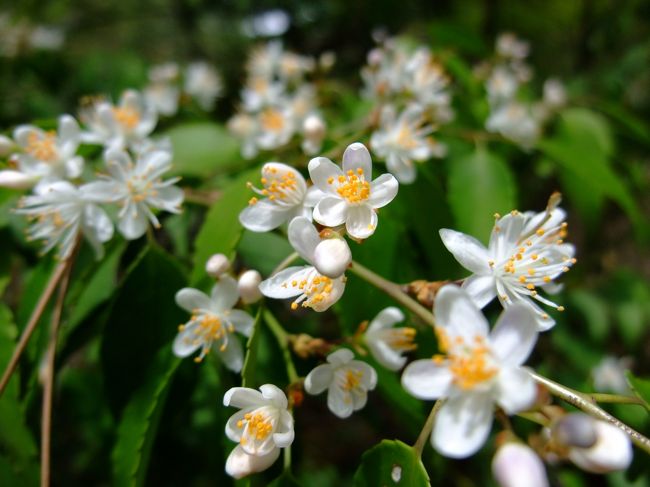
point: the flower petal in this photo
(133, 224)
(264, 216)
(303, 237)
(233, 431)
(482, 289)
(339, 401)
(232, 356)
(385, 355)
(283, 437)
(468, 251)
(514, 335)
(425, 379)
(457, 314)
(516, 390)
(331, 211)
(224, 295)
(243, 397)
(321, 169)
(319, 379)
(462, 425)
(274, 394)
(240, 464)
(185, 343)
(357, 156)
(191, 299)
(361, 221)
(280, 285)
(242, 321)
(340, 357)
(383, 190)
(386, 319)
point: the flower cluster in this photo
(278, 102)
(516, 120)
(20, 36)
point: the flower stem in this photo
(285, 263)
(394, 291)
(584, 403)
(55, 278)
(282, 338)
(418, 446)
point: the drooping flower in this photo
(312, 288)
(347, 382)
(46, 155)
(285, 196)
(262, 427)
(60, 213)
(386, 343)
(213, 324)
(202, 82)
(137, 188)
(475, 370)
(526, 253)
(351, 196)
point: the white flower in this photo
(285, 196)
(555, 95)
(517, 465)
(163, 97)
(259, 92)
(313, 131)
(119, 126)
(137, 188)
(609, 375)
(202, 81)
(612, 450)
(61, 212)
(427, 81)
(46, 156)
(387, 344)
(213, 323)
(347, 382)
(516, 122)
(276, 126)
(261, 427)
(477, 370)
(312, 288)
(403, 139)
(249, 286)
(510, 46)
(502, 85)
(351, 196)
(526, 252)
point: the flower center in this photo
(400, 338)
(257, 427)
(209, 328)
(281, 188)
(140, 189)
(126, 116)
(351, 379)
(315, 290)
(353, 187)
(42, 147)
(405, 138)
(272, 120)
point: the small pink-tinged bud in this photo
(517, 465)
(249, 286)
(332, 257)
(611, 452)
(575, 430)
(217, 265)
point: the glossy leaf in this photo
(391, 463)
(640, 387)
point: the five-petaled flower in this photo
(347, 382)
(262, 427)
(213, 324)
(351, 196)
(474, 371)
(526, 252)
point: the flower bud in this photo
(314, 127)
(16, 179)
(517, 465)
(6, 146)
(249, 286)
(216, 265)
(332, 256)
(612, 451)
(327, 60)
(575, 430)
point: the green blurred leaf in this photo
(11, 474)
(480, 185)
(144, 318)
(137, 429)
(250, 359)
(263, 251)
(640, 387)
(202, 149)
(285, 480)
(221, 229)
(593, 310)
(391, 463)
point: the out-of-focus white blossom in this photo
(162, 91)
(515, 121)
(217, 265)
(517, 465)
(510, 46)
(386, 343)
(609, 375)
(249, 286)
(612, 450)
(203, 83)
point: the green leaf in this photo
(263, 251)
(144, 318)
(285, 480)
(221, 229)
(391, 463)
(640, 387)
(250, 360)
(480, 185)
(137, 429)
(202, 149)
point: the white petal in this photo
(516, 389)
(361, 221)
(340, 357)
(457, 314)
(303, 237)
(367, 375)
(514, 335)
(191, 299)
(385, 355)
(100, 191)
(468, 251)
(224, 294)
(274, 394)
(233, 355)
(339, 402)
(74, 167)
(482, 289)
(280, 286)
(331, 211)
(386, 319)
(243, 397)
(264, 216)
(319, 379)
(403, 169)
(185, 343)
(240, 464)
(321, 170)
(283, 437)
(425, 379)
(383, 190)
(357, 156)
(16, 179)
(612, 451)
(133, 224)
(313, 196)
(242, 321)
(462, 425)
(234, 432)
(338, 287)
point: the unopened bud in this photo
(7, 146)
(575, 430)
(375, 57)
(216, 265)
(313, 127)
(327, 60)
(332, 257)
(249, 286)
(16, 179)
(516, 464)
(612, 451)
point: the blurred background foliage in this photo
(126, 411)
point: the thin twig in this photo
(48, 378)
(282, 337)
(582, 402)
(58, 273)
(285, 263)
(418, 446)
